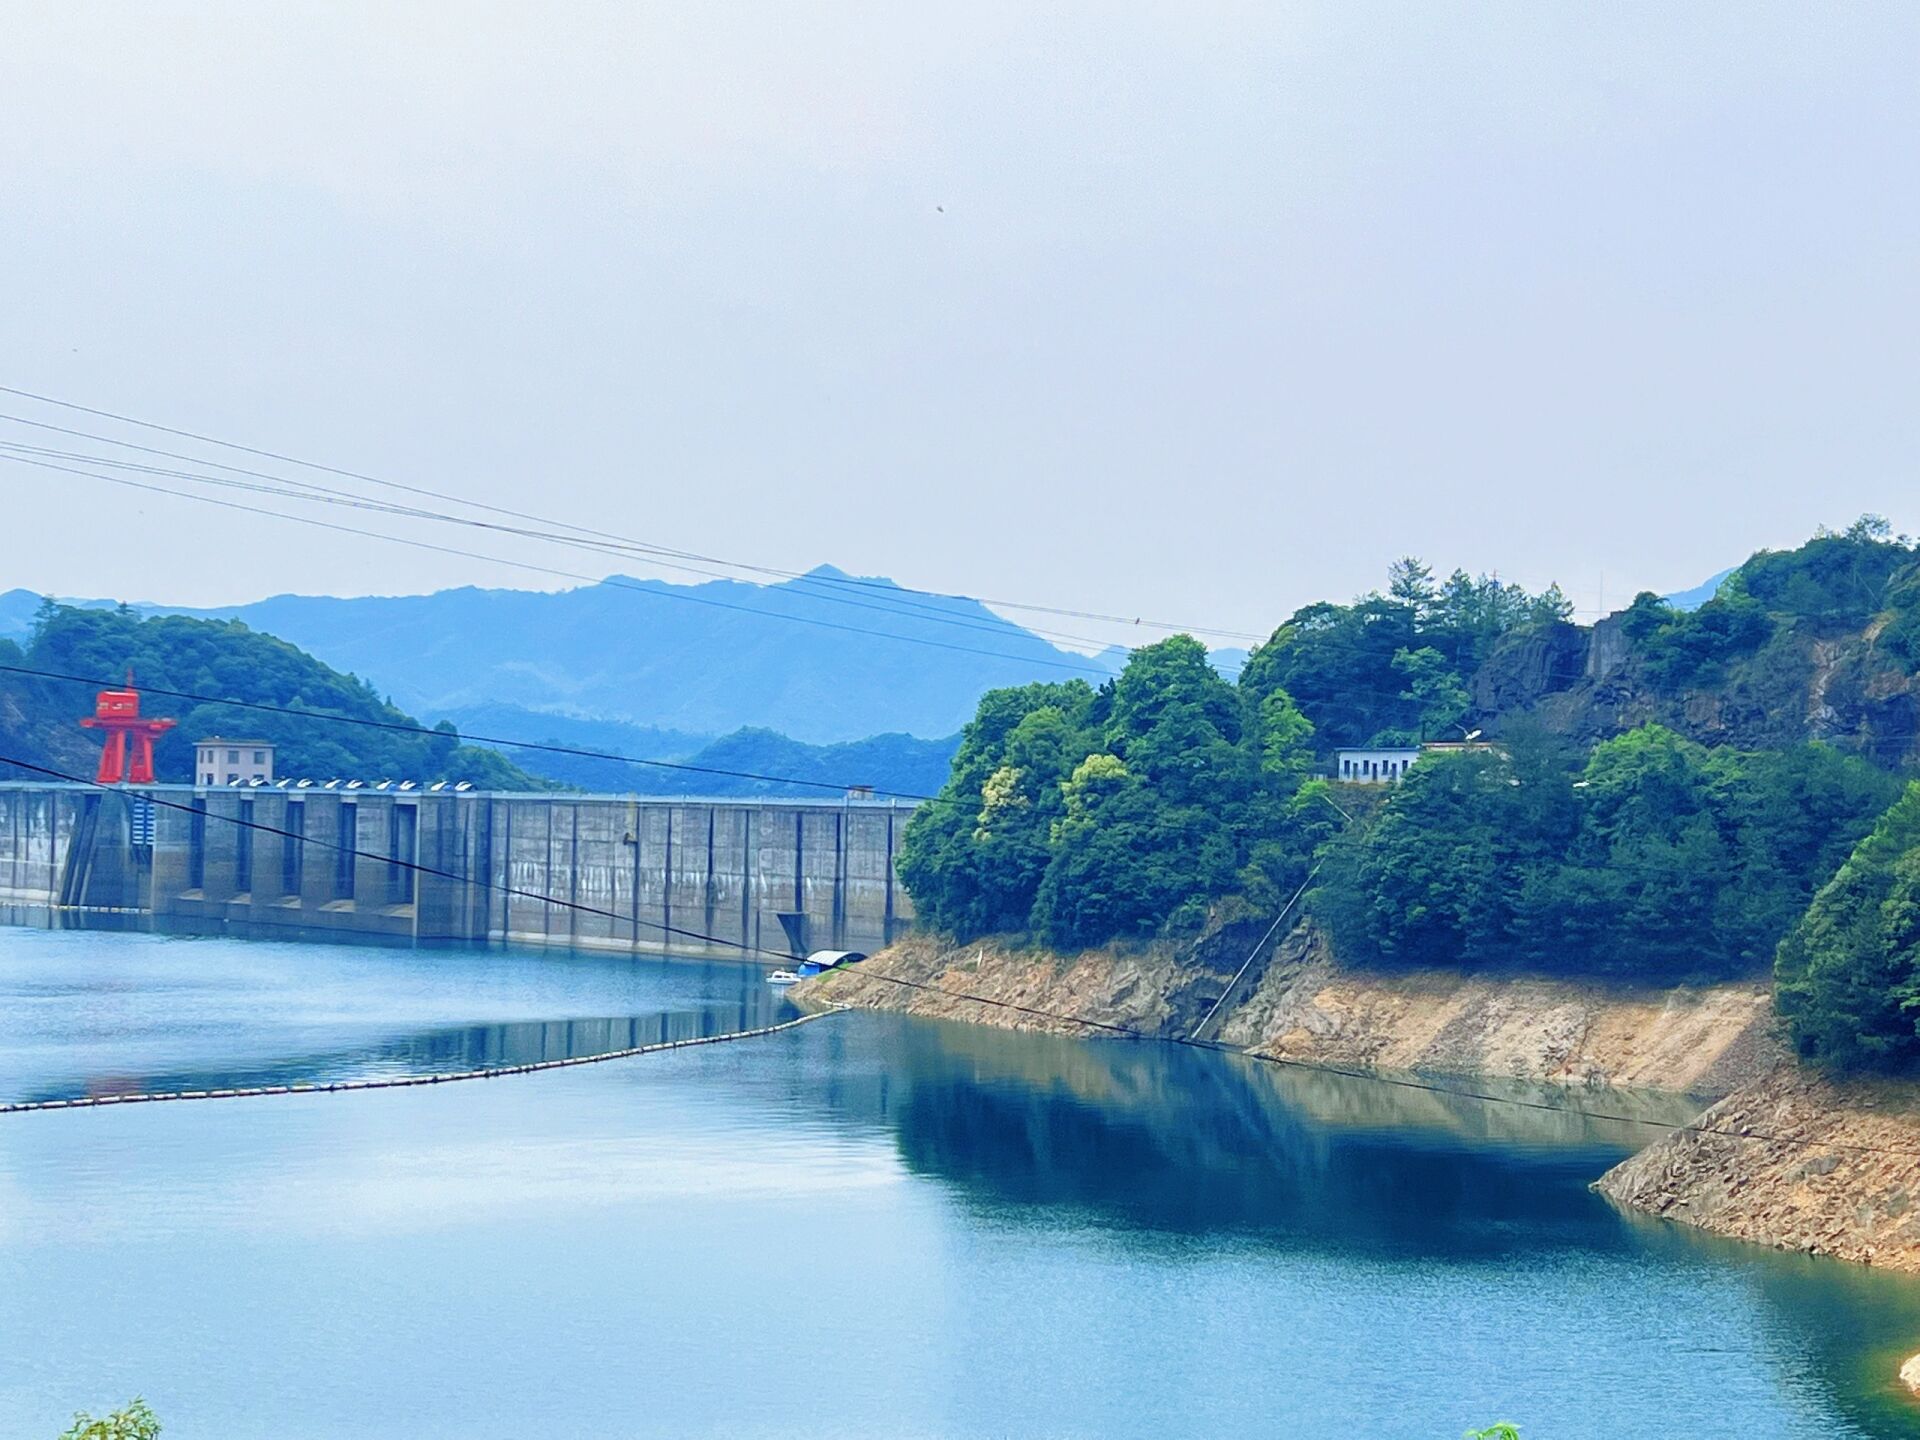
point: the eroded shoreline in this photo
(1781, 1157)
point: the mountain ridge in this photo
(823, 663)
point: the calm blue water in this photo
(869, 1227)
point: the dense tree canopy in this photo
(1658, 857)
(1088, 815)
(1138, 809)
(1848, 976)
(1393, 668)
(1835, 581)
(224, 658)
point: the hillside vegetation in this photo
(40, 717)
(1849, 973)
(1657, 858)
(1669, 791)
(1817, 643)
(892, 764)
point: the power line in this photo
(618, 582)
(621, 582)
(906, 608)
(1134, 621)
(1107, 1027)
(414, 866)
(428, 732)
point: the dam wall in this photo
(693, 876)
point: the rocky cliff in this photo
(1812, 680)
(1796, 1162)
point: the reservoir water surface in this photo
(867, 1227)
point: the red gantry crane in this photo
(118, 713)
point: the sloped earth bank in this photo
(1796, 1162)
(1303, 1006)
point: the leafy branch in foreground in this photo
(134, 1421)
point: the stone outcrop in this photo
(1794, 1161)
(1910, 1374)
(1531, 664)
(1162, 988)
(1787, 1159)
(1813, 680)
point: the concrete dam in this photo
(629, 873)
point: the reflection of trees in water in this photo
(1185, 1141)
(451, 1049)
(1159, 1139)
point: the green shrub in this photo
(1848, 975)
(133, 1422)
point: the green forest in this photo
(1682, 817)
(207, 657)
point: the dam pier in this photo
(712, 877)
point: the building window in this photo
(233, 757)
(259, 757)
(343, 857)
(293, 852)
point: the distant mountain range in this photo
(827, 657)
(701, 764)
(654, 669)
(16, 614)
(1699, 595)
(894, 765)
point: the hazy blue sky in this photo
(1227, 304)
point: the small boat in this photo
(783, 977)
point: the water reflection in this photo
(1149, 1142)
(1189, 1141)
(89, 1015)
(439, 1052)
(1004, 1228)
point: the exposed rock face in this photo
(1796, 1162)
(1162, 988)
(1810, 681)
(1300, 1005)
(1609, 648)
(1702, 1040)
(1530, 665)
(1910, 1375)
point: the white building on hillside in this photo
(1373, 764)
(1384, 764)
(220, 761)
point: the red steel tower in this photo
(118, 713)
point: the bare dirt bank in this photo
(1304, 1006)
(1796, 1162)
